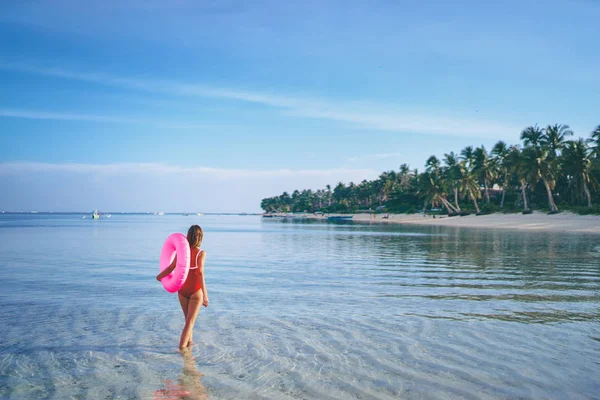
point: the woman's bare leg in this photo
(194, 304)
(184, 301)
(184, 304)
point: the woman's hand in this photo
(205, 302)
(167, 270)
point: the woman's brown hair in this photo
(194, 236)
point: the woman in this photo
(193, 294)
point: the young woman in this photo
(193, 294)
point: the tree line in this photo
(547, 170)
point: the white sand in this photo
(562, 222)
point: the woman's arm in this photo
(167, 270)
(201, 267)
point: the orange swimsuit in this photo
(193, 283)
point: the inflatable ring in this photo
(175, 244)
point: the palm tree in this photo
(517, 165)
(432, 164)
(468, 183)
(500, 153)
(595, 143)
(483, 169)
(339, 193)
(352, 194)
(540, 168)
(554, 138)
(319, 194)
(387, 183)
(285, 202)
(453, 175)
(431, 188)
(540, 155)
(532, 136)
(435, 185)
(405, 177)
(269, 204)
(577, 163)
(364, 193)
(467, 155)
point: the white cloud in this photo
(30, 114)
(154, 187)
(60, 116)
(364, 114)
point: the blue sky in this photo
(211, 106)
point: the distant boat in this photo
(161, 213)
(339, 218)
(199, 214)
(95, 215)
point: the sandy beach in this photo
(562, 222)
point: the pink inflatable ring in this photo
(175, 244)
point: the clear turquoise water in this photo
(298, 311)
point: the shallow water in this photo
(298, 311)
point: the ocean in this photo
(298, 310)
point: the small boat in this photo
(339, 217)
(95, 215)
(199, 214)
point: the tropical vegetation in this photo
(549, 170)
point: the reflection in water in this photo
(189, 385)
(440, 272)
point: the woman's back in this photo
(193, 282)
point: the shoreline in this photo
(537, 221)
